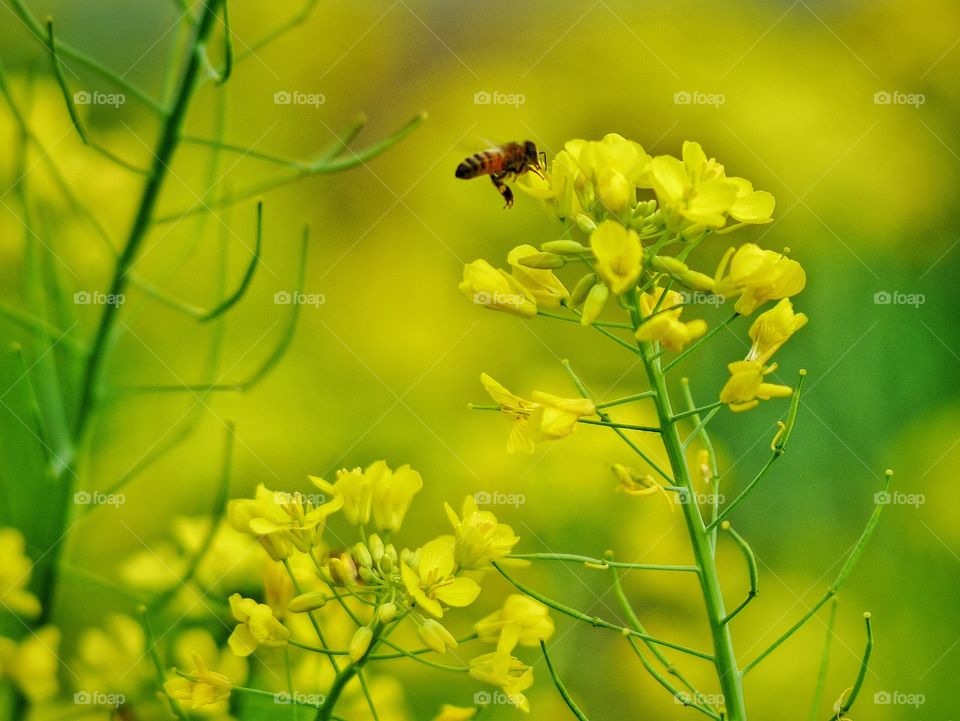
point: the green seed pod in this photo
(564, 247)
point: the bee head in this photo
(530, 153)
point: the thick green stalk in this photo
(724, 658)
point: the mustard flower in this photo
(281, 522)
(257, 626)
(773, 328)
(355, 490)
(758, 275)
(752, 207)
(433, 580)
(691, 191)
(15, 571)
(634, 483)
(619, 255)
(542, 284)
(495, 289)
(502, 669)
(613, 165)
(203, 687)
(530, 615)
(32, 663)
(113, 657)
(480, 538)
(376, 490)
(543, 418)
(666, 327)
(746, 387)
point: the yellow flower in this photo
(433, 580)
(531, 615)
(752, 207)
(543, 418)
(633, 483)
(613, 166)
(495, 289)
(619, 256)
(746, 387)
(543, 285)
(455, 713)
(257, 626)
(502, 669)
(772, 329)
(435, 636)
(692, 191)
(203, 688)
(557, 188)
(113, 657)
(32, 664)
(385, 493)
(758, 275)
(392, 493)
(200, 642)
(666, 327)
(281, 521)
(480, 538)
(15, 570)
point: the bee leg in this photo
(503, 189)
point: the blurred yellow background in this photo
(789, 95)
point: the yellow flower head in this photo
(666, 327)
(543, 418)
(433, 581)
(15, 570)
(257, 626)
(455, 713)
(692, 191)
(758, 275)
(495, 289)
(634, 483)
(752, 207)
(773, 328)
(612, 166)
(619, 255)
(480, 538)
(502, 669)
(746, 387)
(203, 687)
(530, 615)
(281, 521)
(354, 489)
(32, 664)
(385, 493)
(542, 284)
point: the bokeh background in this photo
(785, 94)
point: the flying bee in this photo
(506, 161)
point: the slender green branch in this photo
(700, 430)
(573, 319)
(596, 621)
(224, 74)
(861, 674)
(679, 696)
(697, 411)
(624, 426)
(751, 567)
(696, 346)
(33, 404)
(158, 664)
(41, 328)
(313, 621)
(626, 399)
(600, 563)
(824, 662)
(567, 698)
(279, 31)
(841, 578)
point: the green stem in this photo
(158, 663)
(861, 674)
(724, 657)
(345, 675)
(624, 426)
(626, 399)
(573, 319)
(567, 698)
(824, 662)
(697, 411)
(751, 567)
(600, 563)
(596, 621)
(693, 348)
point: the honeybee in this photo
(507, 161)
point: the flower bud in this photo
(564, 247)
(308, 602)
(593, 305)
(360, 643)
(435, 636)
(586, 223)
(580, 291)
(362, 555)
(375, 544)
(343, 570)
(543, 261)
(388, 612)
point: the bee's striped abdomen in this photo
(486, 162)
